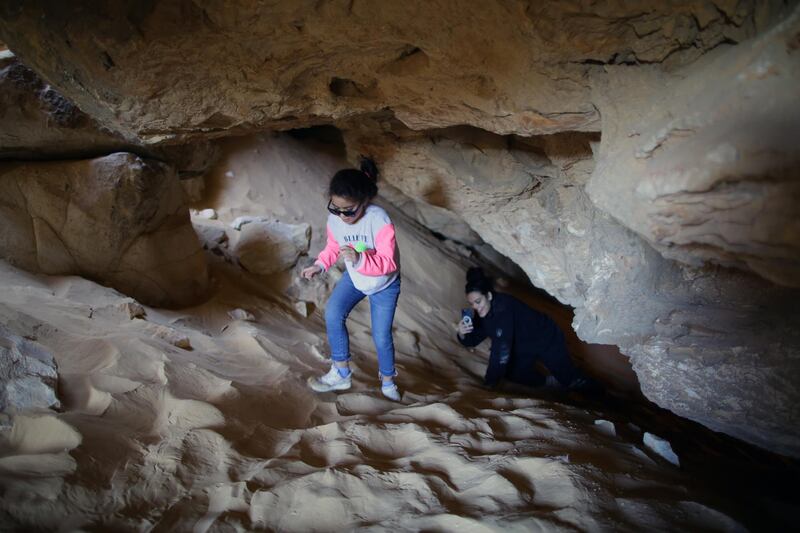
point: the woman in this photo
(521, 338)
(363, 236)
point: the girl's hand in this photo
(464, 328)
(310, 272)
(348, 254)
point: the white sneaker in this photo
(389, 389)
(331, 381)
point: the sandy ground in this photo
(192, 420)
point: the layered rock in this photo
(28, 375)
(120, 220)
(705, 164)
(173, 69)
(37, 122)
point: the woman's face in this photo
(480, 302)
(343, 207)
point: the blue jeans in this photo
(382, 306)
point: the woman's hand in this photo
(464, 328)
(310, 272)
(348, 254)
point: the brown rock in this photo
(119, 220)
(267, 247)
(171, 69)
(704, 163)
(37, 122)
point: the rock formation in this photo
(638, 162)
(705, 168)
(28, 375)
(163, 70)
(268, 246)
(118, 219)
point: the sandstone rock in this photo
(213, 235)
(704, 163)
(37, 122)
(173, 337)
(661, 448)
(266, 247)
(134, 310)
(238, 222)
(191, 160)
(28, 375)
(126, 310)
(435, 218)
(507, 68)
(194, 187)
(119, 220)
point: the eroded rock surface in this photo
(169, 69)
(28, 375)
(269, 246)
(704, 164)
(38, 122)
(119, 219)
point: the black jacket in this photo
(521, 336)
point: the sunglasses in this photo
(342, 212)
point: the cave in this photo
(630, 170)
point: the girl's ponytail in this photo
(357, 185)
(369, 168)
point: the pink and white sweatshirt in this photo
(379, 265)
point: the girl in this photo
(363, 235)
(521, 338)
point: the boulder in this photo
(119, 220)
(703, 163)
(28, 375)
(267, 247)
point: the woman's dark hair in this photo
(477, 281)
(356, 185)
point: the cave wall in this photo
(118, 219)
(636, 161)
(80, 199)
(705, 167)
